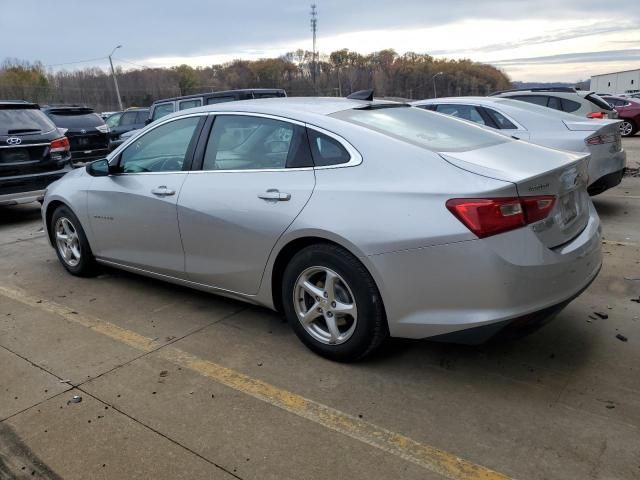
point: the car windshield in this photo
(23, 121)
(423, 128)
(69, 118)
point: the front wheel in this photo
(71, 243)
(627, 128)
(333, 304)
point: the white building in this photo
(616, 83)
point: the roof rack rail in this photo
(541, 89)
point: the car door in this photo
(255, 177)
(133, 212)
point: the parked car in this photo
(105, 115)
(160, 108)
(628, 111)
(356, 219)
(86, 131)
(123, 122)
(123, 138)
(33, 153)
(578, 102)
(549, 128)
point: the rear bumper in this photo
(481, 283)
(601, 166)
(605, 183)
(28, 188)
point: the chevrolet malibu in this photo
(357, 219)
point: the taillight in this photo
(602, 139)
(596, 115)
(490, 216)
(60, 145)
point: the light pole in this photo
(435, 93)
(115, 80)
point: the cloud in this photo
(628, 55)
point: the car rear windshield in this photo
(75, 118)
(598, 102)
(23, 121)
(423, 128)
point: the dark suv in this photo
(33, 153)
(160, 108)
(87, 132)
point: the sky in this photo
(530, 40)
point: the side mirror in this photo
(99, 168)
(148, 121)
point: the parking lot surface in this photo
(176, 383)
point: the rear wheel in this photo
(71, 243)
(628, 128)
(333, 304)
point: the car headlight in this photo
(103, 129)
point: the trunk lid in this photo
(537, 171)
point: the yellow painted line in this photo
(431, 458)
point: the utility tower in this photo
(314, 29)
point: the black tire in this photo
(371, 326)
(86, 266)
(632, 132)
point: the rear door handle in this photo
(163, 191)
(274, 194)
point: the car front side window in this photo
(163, 149)
(114, 120)
(244, 142)
(467, 112)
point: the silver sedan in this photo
(358, 220)
(547, 127)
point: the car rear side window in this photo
(555, 103)
(163, 149)
(190, 104)
(326, 151)
(245, 142)
(128, 118)
(221, 99)
(570, 105)
(161, 110)
(467, 112)
(423, 128)
(142, 116)
(24, 120)
(502, 122)
(541, 100)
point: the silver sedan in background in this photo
(356, 219)
(547, 127)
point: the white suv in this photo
(578, 102)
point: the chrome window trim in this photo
(356, 157)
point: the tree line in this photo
(410, 75)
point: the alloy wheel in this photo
(325, 305)
(625, 129)
(67, 241)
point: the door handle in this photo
(163, 191)
(274, 194)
